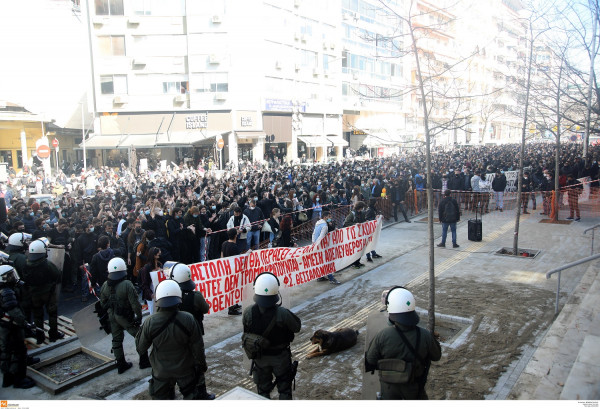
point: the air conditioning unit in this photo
(278, 64)
(355, 76)
(217, 19)
(220, 96)
(179, 98)
(120, 99)
(297, 3)
(326, 74)
(297, 67)
(332, 46)
(324, 45)
(133, 20)
(99, 20)
(214, 59)
(315, 72)
(303, 38)
(347, 16)
(297, 35)
(138, 61)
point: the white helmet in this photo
(117, 269)
(183, 275)
(38, 249)
(266, 289)
(18, 241)
(8, 274)
(168, 294)
(401, 306)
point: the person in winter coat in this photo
(320, 231)
(356, 216)
(240, 222)
(449, 214)
(498, 186)
(371, 214)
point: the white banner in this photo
(511, 180)
(223, 281)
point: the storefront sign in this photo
(196, 121)
(246, 121)
(223, 281)
(283, 105)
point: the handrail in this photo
(567, 266)
(593, 229)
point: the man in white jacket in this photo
(240, 222)
(321, 230)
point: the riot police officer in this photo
(402, 352)
(193, 302)
(177, 346)
(17, 245)
(119, 297)
(13, 355)
(42, 277)
(277, 359)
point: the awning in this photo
(103, 141)
(372, 142)
(139, 141)
(385, 138)
(189, 138)
(337, 140)
(250, 134)
(315, 140)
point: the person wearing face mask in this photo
(116, 243)
(156, 221)
(175, 226)
(133, 239)
(256, 218)
(356, 216)
(320, 231)
(41, 228)
(189, 236)
(85, 247)
(29, 220)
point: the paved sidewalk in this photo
(404, 248)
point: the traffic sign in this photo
(220, 144)
(55, 143)
(43, 151)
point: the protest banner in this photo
(222, 281)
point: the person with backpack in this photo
(402, 352)
(192, 301)
(449, 214)
(269, 320)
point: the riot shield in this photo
(376, 321)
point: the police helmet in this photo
(168, 294)
(401, 306)
(8, 274)
(183, 275)
(18, 241)
(117, 269)
(38, 249)
(266, 289)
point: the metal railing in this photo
(565, 267)
(593, 229)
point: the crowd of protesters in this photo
(187, 213)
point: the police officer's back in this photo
(42, 277)
(194, 303)
(277, 359)
(391, 350)
(13, 353)
(177, 345)
(119, 297)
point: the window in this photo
(113, 84)
(213, 82)
(109, 7)
(158, 7)
(111, 45)
(6, 156)
(175, 87)
(309, 59)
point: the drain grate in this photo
(69, 369)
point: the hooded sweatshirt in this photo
(99, 265)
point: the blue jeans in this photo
(253, 236)
(202, 248)
(445, 232)
(499, 199)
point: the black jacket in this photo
(499, 183)
(444, 218)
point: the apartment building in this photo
(263, 76)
